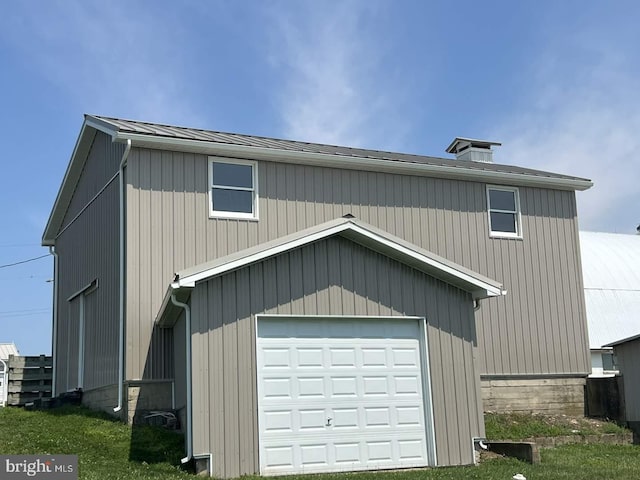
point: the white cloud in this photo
(331, 62)
(582, 119)
(107, 57)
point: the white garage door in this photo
(340, 394)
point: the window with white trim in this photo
(233, 191)
(504, 212)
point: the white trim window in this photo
(504, 212)
(233, 191)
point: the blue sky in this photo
(558, 83)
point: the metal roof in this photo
(7, 349)
(209, 142)
(611, 272)
(169, 131)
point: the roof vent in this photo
(472, 150)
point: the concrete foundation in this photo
(534, 395)
(139, 396)
(525, 451)
(103, 398)
(148, 395)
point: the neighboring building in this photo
(309, 307)
(627, 353)
(6, 349)
(611, 270)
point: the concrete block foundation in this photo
(103, 398)
(548, 396)
(149, 395)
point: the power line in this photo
(24, 261)
(11, 245)
(27, 310)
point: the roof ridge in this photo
(262, 137)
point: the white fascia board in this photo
(166, 302)
(490, 289)
(482, 289)
(102, 126)
(54, 221)
(374, 164)
(190, 280)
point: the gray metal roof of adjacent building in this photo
(174, 132)
(611, 271)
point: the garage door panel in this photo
(352, 390)
(343, 387)
(277, 388)
(345, 418)
(309, 357)
(311, 387)
(312, 419)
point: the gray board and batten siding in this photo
(627, 354)
(88, 250)
(538, 328)
(334, 276)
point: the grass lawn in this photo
(106, 449)
(110, 450)
(516, 426)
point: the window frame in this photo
(517, 212)
(253, 215)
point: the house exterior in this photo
(6, 349)
(309, 307)
(611, 269)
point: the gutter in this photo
(352, 162)
(123, 163)
(54, 342)
(189, 432)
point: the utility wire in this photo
(24, 261)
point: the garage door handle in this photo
(328, 422)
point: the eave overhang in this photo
(94, 124)
(624, 340)
(350, 162)
(69, 181)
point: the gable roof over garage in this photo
(355, 230)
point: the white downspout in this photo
(54, 343)
(189, 432)
(123, 162)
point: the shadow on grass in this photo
(155, 445)
(81, 411)
(148, 444)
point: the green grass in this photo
(571, 462)
(516, 426)
(110, 450)
(106, 449)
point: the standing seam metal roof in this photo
(611, 271)
(169, 131)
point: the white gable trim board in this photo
(342, 393)
(479, 287)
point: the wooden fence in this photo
(29, 379)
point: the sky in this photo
(558, 83)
